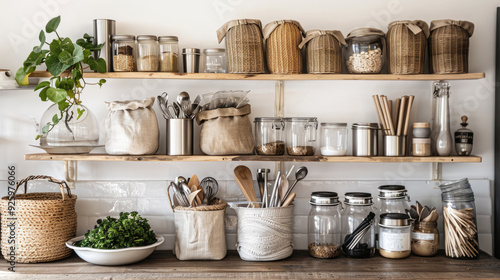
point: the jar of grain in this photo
(123, 53)
(324, 234)
(147, 55)
(301, 136)
(269, 136)
(169, 54)
(394, 235)
(365, 51)
(425, 239)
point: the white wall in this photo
(195, 23)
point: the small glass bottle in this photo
(425, 239)
(269, 136)
(147, 55)
(215, 61)
(324, 232)
(123, 53)
(463, 139)
(333, 139)
(394, 235)
(169, 53)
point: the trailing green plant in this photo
(65, 61)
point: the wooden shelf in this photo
(157, 158)
(273, 77)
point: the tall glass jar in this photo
(425, 239)
(393, 199)
(215, 61)
(333, 139)
(324, 233)
(169, 53)
(365, 51)
(358, 217)
(442, 143)
(147, 55)
(269, 136)
(394, 235)
(123, 53)
(301, 136)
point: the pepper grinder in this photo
(463, 139)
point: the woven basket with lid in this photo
(406, 44)
(449, 46)
(244, 46)
(323, 51)
(283, 54)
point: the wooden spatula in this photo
(193, 181)
(243, 177)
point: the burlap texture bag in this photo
(406, 44)
(323, 51)
(226, 131)
(283, 54)
(132, 128)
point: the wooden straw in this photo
(398, 103)
(390, 108)
(407, 117)
(380, 114)
(387, 114)
(400, 116)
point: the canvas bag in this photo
(131, 128)
(226, 131)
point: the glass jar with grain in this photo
(147, 54)
(324, 232)
(269, 136)
(301, 136)
(169, 53)
(123, 53)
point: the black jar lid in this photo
(392, 192)
(394, 220)
(324, 198)
(358, 198)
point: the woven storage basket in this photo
(406, 44)
(323, 51)
(244, 46)
(283, 54)
(44, 222)
(449, 46)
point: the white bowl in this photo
(113, 256)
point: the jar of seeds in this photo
(269, 136)
(169, 54)
(123, 53)
(147, 55)
(301, 136)
(324, 233)
(365, 51)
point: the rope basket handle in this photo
(169, 199)
(62, 184)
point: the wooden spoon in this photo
(424, 214)
(243, 177)
(192, 198)
(289, 200)
(193, 181)
(283, 187)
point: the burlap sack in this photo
(131, 128)
(226, 131)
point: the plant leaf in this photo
(101, 65)
(53, 24)
(54, 66)
(56, 95)
(46, 128)
(55, 119)
(65, 57)
(67, 45)
(55, 47)
(79, 112)
(22, 77)
(77, 55)
(70, 93)
(63, 105)
(43, 94)
(41, 37)
(101, 82)
(42, 85)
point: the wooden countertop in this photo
(164, 265)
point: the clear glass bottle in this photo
(169, 53)
(123, 53)
(269, 136)
(358, 214)
(147, 54)
(333, 139)
(441, 135)
(463, 139)
(215, 61)
(394, 235)
(324, 230)
(365, 51)
(301, 136)
(425, 239)
(393, 199)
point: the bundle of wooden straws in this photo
(398, 127)
(461, 233)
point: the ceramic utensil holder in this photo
(394, 146)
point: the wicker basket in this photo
(406, 44)
(323, 51)
(244, 46)
(449, 46)
(44, 222)
(283, 54)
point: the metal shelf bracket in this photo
(436, 173)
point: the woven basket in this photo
(406, 44)
(44, 222)
(244, 46)
(449, 46)
(282, 47)
(323, 51)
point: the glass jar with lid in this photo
(269, 136)
(215, 61)
(358, 225)
(147, 54)
(324, 233)
(365, 51)
(123, 53)
(394, 235)
(169, 53)
(301, 136)
(393, 199)
(425, 239)
(333, 139)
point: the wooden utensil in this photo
(289, 200)
(193, 181)
(408, 112)
(243, 177)
(283, 188)
(400, 116)
(193, 199)
(380, 113)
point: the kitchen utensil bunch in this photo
(182, 108)
(193, 193)
(422, 214)
(398, 125)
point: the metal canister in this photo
(191, 60)
(364, 139)
(179, 137)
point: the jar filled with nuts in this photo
(269, 136)
(324, 233)
(365, 51)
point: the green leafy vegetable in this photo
(130, 230)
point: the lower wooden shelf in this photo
(353, 159)
(164, 265)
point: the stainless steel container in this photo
(394, 146)
(364, 139)
(103, 30)
(179, 137)
(191, 59)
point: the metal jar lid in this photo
(214, 51)
(324, 198)
(300, 119)
(358, 198)
(364, 125)
(190, 51)
(146, 37)
(123, 37)
(267, 119)
(394, 220)
(168, 39)
(334, 124)
(392, 192)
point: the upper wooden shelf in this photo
(106, 157)
(273, 77)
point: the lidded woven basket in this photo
(283, 38)
(323, 51)
(449, 46)
(43, 223)
(244, 46)
(406, 44)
